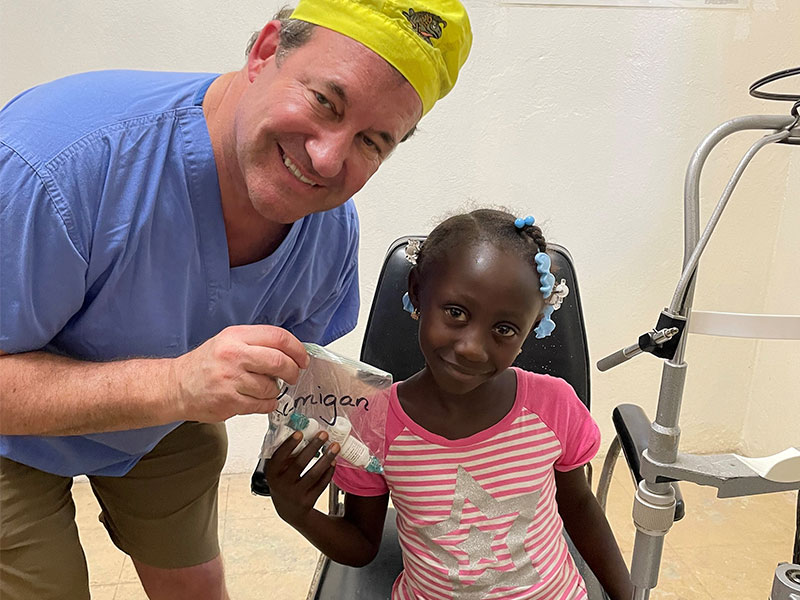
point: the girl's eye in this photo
(505, 330)
(455, 313)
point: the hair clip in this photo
(412, 250)
(552, 304)
(546, 278)
(560, 292)
(546, 325)
(408, 306)
(520, 222)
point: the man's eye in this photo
(323, 100)
(371, 145)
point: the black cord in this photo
(755, 92)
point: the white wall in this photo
(774, 395)
(583, 116)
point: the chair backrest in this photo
(390, 340)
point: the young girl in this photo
(483, 460)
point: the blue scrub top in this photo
(112, 244)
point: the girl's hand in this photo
(294, 495)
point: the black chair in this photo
(390, 343)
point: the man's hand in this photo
(236, 372)
(293, 494)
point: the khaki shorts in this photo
(163, 513)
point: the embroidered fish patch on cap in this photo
(426, 24)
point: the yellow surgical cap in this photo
(426, 40)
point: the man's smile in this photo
(295, 170)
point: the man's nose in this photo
(328, 152)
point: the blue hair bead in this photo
(546, 325)
(546, 279)
(520, 222)
(408, 306)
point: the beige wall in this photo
(583, 116)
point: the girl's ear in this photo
(413, 287)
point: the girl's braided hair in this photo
(486, 224)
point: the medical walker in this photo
(662, 463)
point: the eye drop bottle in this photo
(352, 450)
(308, 427)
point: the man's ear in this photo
(413, 287)
(263, 50)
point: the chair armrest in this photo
(633, 432)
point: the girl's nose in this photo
(471, 346)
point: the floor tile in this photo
(86, 507)
(741, 571)
(732, 521)
(129, 591)
(675, 579)
(256, 545)
(104, 560)
(243, 504)
(128, 573)
(104, 592)
(275, 585)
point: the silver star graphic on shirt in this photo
(524, 573)
(477, 545)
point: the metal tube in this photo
(691, 263)
(646, 560)
(619, 357)
(608, 471)
(691, 194)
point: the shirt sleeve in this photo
(563, 412)
(42, 271)
(359, 482)
(338, 313)
(345, 312)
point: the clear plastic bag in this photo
(345, 397)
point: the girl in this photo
(483, 460)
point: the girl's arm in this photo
(351, 539)
(587, 526)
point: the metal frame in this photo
(662, 463)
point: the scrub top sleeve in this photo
(42, 271)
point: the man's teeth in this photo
(296, 172)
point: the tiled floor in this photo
(721, 549)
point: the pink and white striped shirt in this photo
(477, 517)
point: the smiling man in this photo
(169, 239)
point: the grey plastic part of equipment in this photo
(786, 585)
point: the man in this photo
(168, 240)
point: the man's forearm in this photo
(46, 394)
